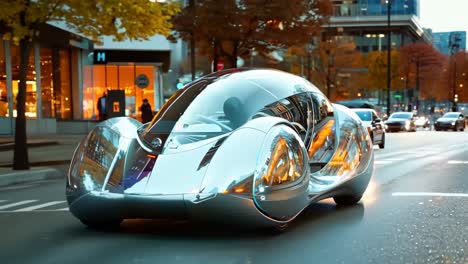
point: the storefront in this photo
(67, 75)
(53, 81)
(137, 72)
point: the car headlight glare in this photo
(453, 123)
(281, 161)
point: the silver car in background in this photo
(374, 125)
(247, 146)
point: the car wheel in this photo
(347, 200)
(382, 143)
(105, 224)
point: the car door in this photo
(461, 121)
(377, 127)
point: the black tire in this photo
(382, 143)
(347, 200)
(104, 224)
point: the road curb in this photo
(34, 174)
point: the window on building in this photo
(47, 83)
(3, 86)
(31, 98)
(64, 101)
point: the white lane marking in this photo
(31, 208)
(382, 161)
(430, 194)
(16, 204)
(457, 162)
(63, 209)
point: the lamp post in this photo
(389, 57)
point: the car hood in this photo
(177, 173)
(446, 119)
(396, 120)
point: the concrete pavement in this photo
(44, 153)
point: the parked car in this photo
(450, 120)
(244, 146)
(401, 121)
(374, 125)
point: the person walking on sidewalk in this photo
(146, 112)
(102, 107)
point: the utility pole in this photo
(389, 57)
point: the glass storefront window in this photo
(47, 83)
(99, 78)
(64, 100)
(31, 99)
(3, 86)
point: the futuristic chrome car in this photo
(245, 146)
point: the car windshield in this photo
(401, 115)
(364, 115)
(451, 115)
(207, 109)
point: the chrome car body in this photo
(450, 120)
(400, 121)
(259, 159)
(374, 125)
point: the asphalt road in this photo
(414, 211)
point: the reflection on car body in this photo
(245, 146)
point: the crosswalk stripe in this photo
(31, 208)
(16, 204)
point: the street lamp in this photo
(389, 58)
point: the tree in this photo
(424, 63)
(21, 20)
(228, 29)
(377, 66)
(337, 58)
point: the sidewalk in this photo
(43, 151)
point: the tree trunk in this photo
(20, 156)
(234, 54)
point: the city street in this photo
(415, 210)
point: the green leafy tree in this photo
(229, 29)
(21, 20)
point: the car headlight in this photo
(407, 124)
(282, 160)
(97, 154)
(453, 123)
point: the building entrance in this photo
(139, 81)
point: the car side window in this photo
(296, 109)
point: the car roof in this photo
(363, 109)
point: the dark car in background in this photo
(401, 121)
(450, 120)
(374, 125)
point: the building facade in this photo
(68, 74)
(54, 78)
(448, 42)
(365, 23)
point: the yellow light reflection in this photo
(321, 137)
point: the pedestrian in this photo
(102, 107)
(146, 112)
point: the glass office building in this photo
(365, 23)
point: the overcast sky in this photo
(444, 15)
